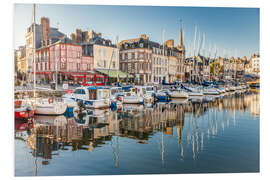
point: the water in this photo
(183, 137)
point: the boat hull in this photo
(23, 113)
(128, 100)
(50, 109)
(97, 104)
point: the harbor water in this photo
(216, 136)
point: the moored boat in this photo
(23, 110)
(91, 97)
(49, 106)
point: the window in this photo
(104, 63)
(136, 55)
(63, 65)
(78, 54)
(99, 52)
(78, 66)
(113, 64)
(88, 67)
(129, 55)
(141, 56)
(79, 91)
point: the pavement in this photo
(30, 87)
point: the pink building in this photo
(64, 58)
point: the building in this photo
(151, 62)
(20, 59)
(136, 58)
(159, 64)
(65, 59)
(44, 35)
(84, 36)
(255, 64)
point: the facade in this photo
(136, 58)
(160, 63)
(255, 64)
(20, 56)
(105, 57)
(64, 58)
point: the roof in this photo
(114, 73)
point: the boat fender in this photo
(120, 98)
(50, 100)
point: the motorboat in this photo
(178, 93)
(132, 98)
(210, 91)
(91, 97)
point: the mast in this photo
(110, 64)
(210, 49)
(34, 46)
(163, 41)
(194, 50)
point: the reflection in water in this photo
(49, 136)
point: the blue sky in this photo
(233, 29)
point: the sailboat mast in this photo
(34, 46)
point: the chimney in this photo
(45, 24)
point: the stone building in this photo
(136, 58)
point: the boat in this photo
(147, 92)
(49, 106)
(163, 95)
(117, 94)
(210, 91)
(178, 93)
(91, 97)
(72, 105)
(23, 109)
(132, 98)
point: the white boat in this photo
(232, 88)
(178, 94)
(49, 106)
(210, 91)
(91, 97)
(195, 92)
(132, 98)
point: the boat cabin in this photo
(91, 93)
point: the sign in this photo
(65, 86)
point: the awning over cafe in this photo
(114, 73)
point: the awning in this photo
(113, 73)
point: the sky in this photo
(233, 31)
